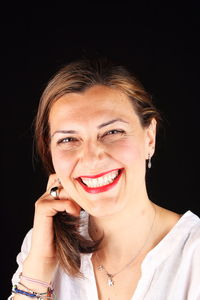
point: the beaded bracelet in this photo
(31, 291)
(21, 292)
(31, 294)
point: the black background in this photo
(158, 41)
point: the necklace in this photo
(110, 276)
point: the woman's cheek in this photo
(125, 152)
(63, 163)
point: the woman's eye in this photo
(113, 134)
(67, 140)
(114, 131)
(69, 143)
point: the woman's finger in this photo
(53, 181)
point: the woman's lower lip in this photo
(101, 189)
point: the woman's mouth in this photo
(100, 183)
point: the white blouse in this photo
(170, 271)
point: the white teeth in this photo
(100, 181)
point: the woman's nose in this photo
(92, 154)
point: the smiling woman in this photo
(104, 238)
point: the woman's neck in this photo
(124, 233)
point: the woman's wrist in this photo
(40, 270)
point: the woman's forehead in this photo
(97, 99)
(91, 109)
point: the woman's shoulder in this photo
(180, 236)
(185, 227)
(174, 262)
(190, 223)
(172, 222)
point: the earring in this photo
(149, 161)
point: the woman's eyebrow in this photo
(64, 132)
(111, 122)
(99, 127)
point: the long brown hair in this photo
(76, 77)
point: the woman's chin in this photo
(105, 208)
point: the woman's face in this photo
(99, 149)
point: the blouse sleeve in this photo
(21, 257)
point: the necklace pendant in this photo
(110, 280)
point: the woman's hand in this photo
(41, 261)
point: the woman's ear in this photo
(150, 139)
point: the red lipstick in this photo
(95, 190)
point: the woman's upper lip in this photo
(99, 175)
